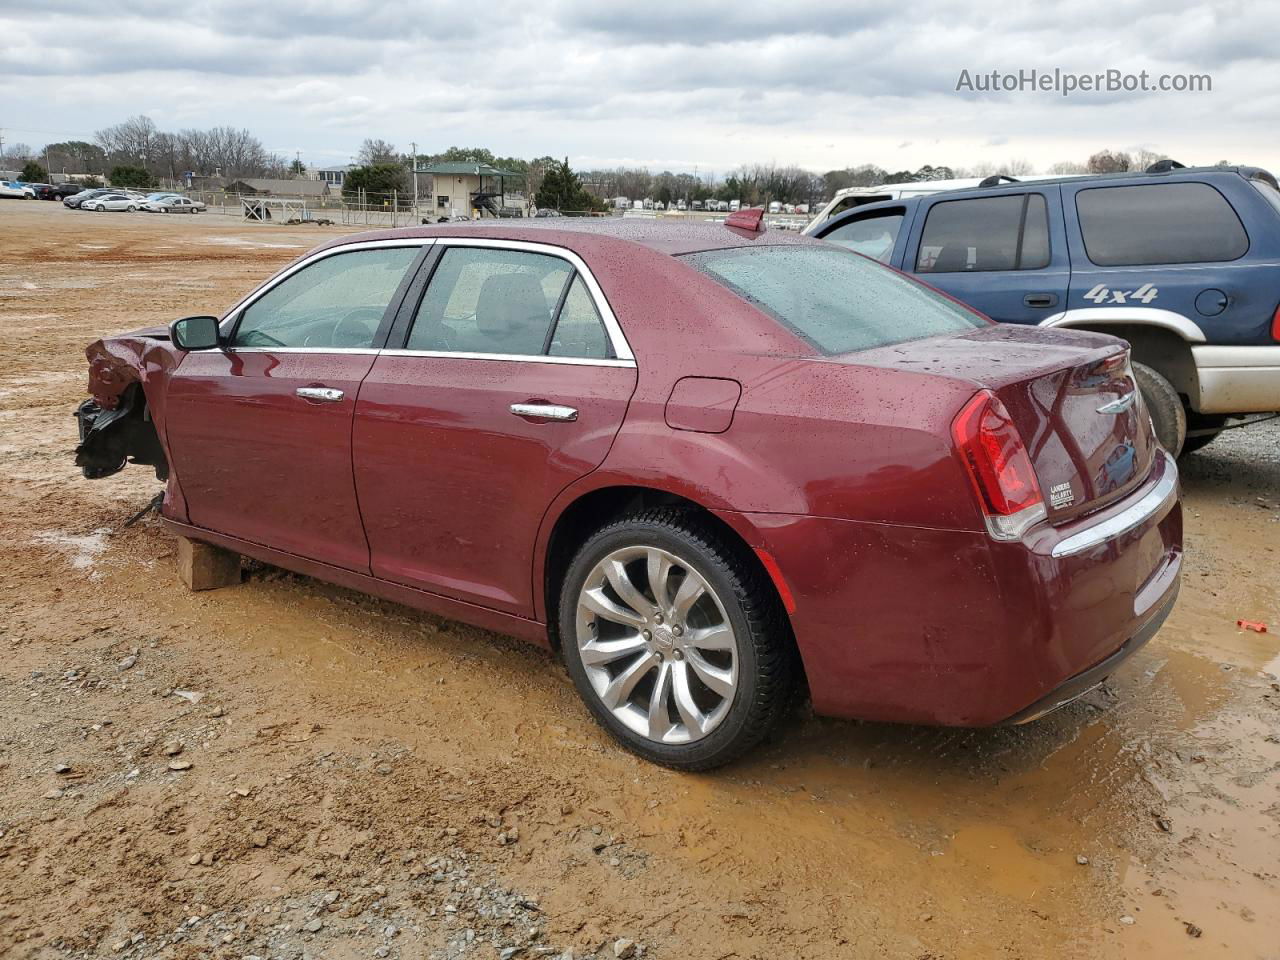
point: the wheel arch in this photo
(577, 516)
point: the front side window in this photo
(836, 301)
(337, 302)
(982, 234)
(487, 300)
(1159, 223)
(872, 237)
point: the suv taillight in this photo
(998, 465)
(1275, 325)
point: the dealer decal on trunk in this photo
(1061, 495)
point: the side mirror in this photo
(194, 333)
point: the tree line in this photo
(138, 153)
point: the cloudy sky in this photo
(668, 84)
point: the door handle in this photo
(1041, 299)
(320, 394)
(544, 411)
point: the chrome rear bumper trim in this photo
(1153, 501)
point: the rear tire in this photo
(734, 634)
(1168, 416)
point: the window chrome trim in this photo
(1152, 501)
(371, 351)
(621, 348)
(510, 357)
(228, 321)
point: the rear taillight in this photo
(998, 465)
(1275, 325)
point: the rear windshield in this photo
(838, 301)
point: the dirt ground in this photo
(288, 769)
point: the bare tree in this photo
(1067, 168)
(1106, 161)
(1143, 158)
(17, 154)
(376, 151)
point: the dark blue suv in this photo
(1182, 262)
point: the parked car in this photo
(1179, 262)
(75, 201)
(174, 204)
(41, 191)
(698, 463)
(17, 190)
(61, 191)
(111, 201)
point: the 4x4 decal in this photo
(1101, 294)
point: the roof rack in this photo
(1165, 166)
(994, 180)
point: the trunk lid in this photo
(1070, 394)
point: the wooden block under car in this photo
(205, 567)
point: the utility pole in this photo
(414, 161)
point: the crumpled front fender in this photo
(123, 421)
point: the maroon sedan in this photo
(706, 463)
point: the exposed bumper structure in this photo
(1238, 379)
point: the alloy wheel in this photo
(656, 644)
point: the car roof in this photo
(586, 235)
(1017, 186)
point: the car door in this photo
(260, 430)
(1004, 254)
(509, 380)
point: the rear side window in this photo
(1159, 223)
(492, 301)
(872, 237)
(835, 300)
(985, 233)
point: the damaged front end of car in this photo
(120, 422)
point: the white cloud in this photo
(664, 83)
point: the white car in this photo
(111, 201)
(17, 190)
(174, 204)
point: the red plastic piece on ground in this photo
(1255, 625)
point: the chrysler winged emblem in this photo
(1120, 404)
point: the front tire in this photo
(1168, 416)
(675, 641)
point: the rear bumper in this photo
(1075, 687)
(949, 627)
(1238, 379)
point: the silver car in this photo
(174, 204)
(111, 201)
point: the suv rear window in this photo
(836, 300)
(1159, 223)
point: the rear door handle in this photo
(1041, 299)
(320, 394)
(545, 411)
